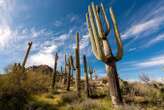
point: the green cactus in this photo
(77, 56)
(27, 53)
(54, 72)
(101, 48)
(86, 76)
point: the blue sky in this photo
(51, 23)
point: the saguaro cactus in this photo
(54, 71)
(69, 73)
(86, 76)
(90, 72)
(27, 53)
(96, 77)
(72, 62)
(77, 65)
(101, 48)
(65, 69)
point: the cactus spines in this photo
(27, 53)
(101, 48)
(54, 72)
(86, 76)
(77, 65)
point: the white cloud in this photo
(50, 49)
(41, 58)
(155, 40)
(149, 25)
(62, 37)
(5, 35)
(151, 62)
(132, 49)
(58, 23)
(73, 18)
(84, 42)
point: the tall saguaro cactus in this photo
(101, 48)
(69, 73)
(65, 69)
(77, 56)
(54, 71)
(86, 76)
(27, 53)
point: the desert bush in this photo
(36, 82)
(69, 97)
(17, 84)
(90, 104)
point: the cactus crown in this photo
(98, 36)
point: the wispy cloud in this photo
(5, 36)
(132, 49)
(146, 22)
(151, 62)
(145, 26)
(155, 40)
(58, 23)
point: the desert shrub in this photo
(12, 96)
(69, 97)
(17, 84)
(36, 82)
(124, 87)
(90, 104)
(105, 80)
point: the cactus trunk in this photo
(113, 81)
(27, 53)
(101, 47)
(68, 76)
(86, 76)
(90, 72)
(65, 70)
(77, 65)
(54, 72)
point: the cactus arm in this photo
(98, 22)
(106, 20)
(93, 45)
(117, 35)
(97, 39)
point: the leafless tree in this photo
(144, 77)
